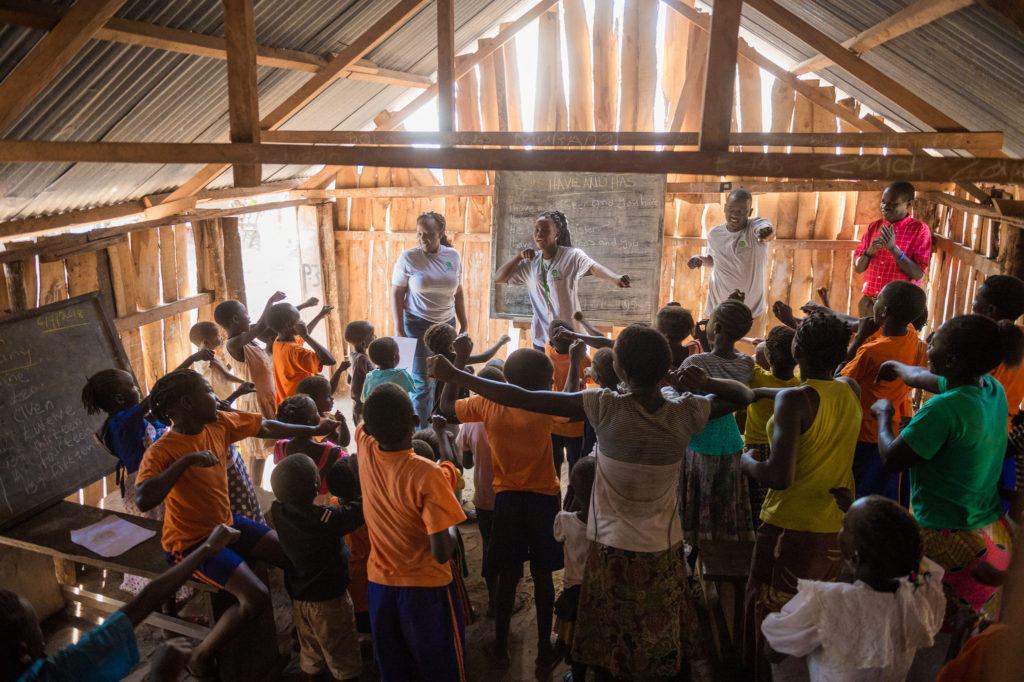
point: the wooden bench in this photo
(40, 567)
(725, 562)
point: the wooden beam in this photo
(445, 65)
(417, 192)
(243, 96)
(783, 244)
(982, 264)
(991, 140)
(775, 165)
(970, 207)
(128, 32)
(51, 54)
(366, 41)
(913, 16)
(720, 76)
(144, 317)
(1012, 10)
(888, 87)
(462, 66)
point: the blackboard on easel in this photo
(48, 447)
(617, 218)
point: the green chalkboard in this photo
(48, 447)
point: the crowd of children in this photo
(872, 525)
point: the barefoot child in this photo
(293, 362)
(621, 625)
(571, 531)
(954, 448)
(411, 516)
(774, 369)
(886, 335)
(526, 493)
(714, 501)
(316, 576)
(359, 334)
(187, 469)
(870, 626)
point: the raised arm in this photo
(490, 352)
(163, 587)
(726, 395)
(336, 375)
(577, 351)
(591, 329)
(322, 354)
(911, 375)
(448, 452)
(865, 329)
(606, 273)
(153, 490)
(324, 312)
(504, 273)
(398, 308)
(546, 402)
(235, 344)
(594, 341)
(271, 428)
(700, 261)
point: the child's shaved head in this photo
(282, 316)
(202, 332)
(529, 369)
(295, 480)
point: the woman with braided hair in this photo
(552, 278)
(426, 288)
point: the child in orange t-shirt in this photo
(411, 514)
(187, 470)
(292, 361)
(526, 488)
(566, 439)
(887, 335)
(1001, 297)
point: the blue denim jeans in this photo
(423, 398)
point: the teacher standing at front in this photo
(552, 273)
(426, 289)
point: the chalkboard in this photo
(48, 447)
(617, 218)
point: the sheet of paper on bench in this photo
(406, 351)
(113, 536)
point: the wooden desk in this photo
(726, 562)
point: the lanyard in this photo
(544, 287)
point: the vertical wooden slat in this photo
(82, 274)
(445, 64)
(360, 212)
(123, 279)
(329, 274)
(606, 65)
(807, 205)
(786, 203)
(581, 82)
(53, 283)
(379, 207)
(478, 209)
(146, 256)
(637, 65)
(175, 349)
(673, 73)
(5, 293)
(513, 99)
(720, 76)
(549, 110)
(234, 274)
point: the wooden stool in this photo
(725, 562)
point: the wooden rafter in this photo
(911, 17)
(130, 32)
(463, 64)
(51, 54)
(855, 66)
(1012, 10)
(775, 165)
(992, 140)
(720, 76)
(446, 65)
(366, 41)
(243, 95)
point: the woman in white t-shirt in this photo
(426, 287)
(552, 279)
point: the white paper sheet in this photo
(406, 351)
(112, 536)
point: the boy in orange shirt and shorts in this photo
(411, 514)
(526, 488)
(293, 362)
(887, 335)
(187, 470)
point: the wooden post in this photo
(549, 104)
(445, 64)
(146, 257)
(234, 274)
(243, 95)
(123, 279)
(175, 327)
(581, 85)
(606, 65)
(329, 275)
(720, 76)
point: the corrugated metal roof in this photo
(115, 92)
(969, 64)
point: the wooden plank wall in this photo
(142, 272)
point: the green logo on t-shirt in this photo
(555, 274)
(449, 265)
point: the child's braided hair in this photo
(292, 409)
(822, 340)
(98, 392)
(439, 221)
(169, 389)
(558, 219)
(889, 539)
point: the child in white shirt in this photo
(867, 629)
(571, 531)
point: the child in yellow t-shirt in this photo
(775, 367)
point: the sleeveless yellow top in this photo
(824, 460)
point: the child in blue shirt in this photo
(385, 355)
